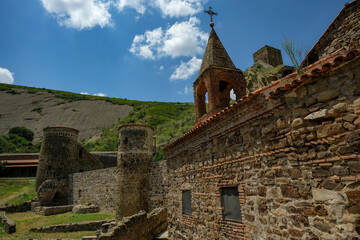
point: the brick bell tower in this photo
(217, 77)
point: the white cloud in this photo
(179, 8)
(80, 14)
(187, 90)
(100, 94)
(161, 68)
(186, 69)
(6, 76)
(96, 94)
(138, 5)
(181, 39)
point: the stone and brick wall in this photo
(97, 186)
(294, 156)
(156, 192)
(343, 32)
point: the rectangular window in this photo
(186, 202)
(231, 204)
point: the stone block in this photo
(317, 115)
(320, 173)
(289, 191)
(327, 95)
(354, 166)
(323, 195)
(8, 224)
(297, 122)
(340, 107)
(324, 227)
(353, 197)
(83, 209)
(340, 171)
(349, 117)
(47, 211)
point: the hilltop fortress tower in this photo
(134, 154)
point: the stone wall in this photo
(144, 226)
(293, 156)
(156, 192)
(108, 159)
(343, 32)
(71, 227)
(97, 186)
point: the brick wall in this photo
(294, 157)
(96, 186)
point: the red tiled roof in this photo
(288, 82)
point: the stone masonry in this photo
(60, 155)
(344, 32)
(268, 56)
(291, 150)
(135, 153)
(97, 187)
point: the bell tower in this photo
(217, 77)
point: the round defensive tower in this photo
(57, 159)
(134, 154)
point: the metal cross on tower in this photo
(211, 13)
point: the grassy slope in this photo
(27, 220)
(15, 191)
(169, 120)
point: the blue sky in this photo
(147, 50)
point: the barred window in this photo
(186, 202)
(230, 203)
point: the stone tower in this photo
(60, 155)
(217, 77)
(268, 56)
(134, 154)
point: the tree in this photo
(22, 132)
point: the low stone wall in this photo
(97, 187)
(139, 226)
(72, 227)
(47, 211)
(22, 207)
(8, 224)
(156, 195)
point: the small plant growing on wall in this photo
(295, 54)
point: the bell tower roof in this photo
(215, 54)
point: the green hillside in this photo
(169, 120)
